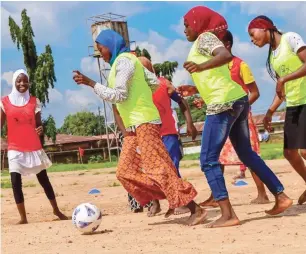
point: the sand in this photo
(124, 232)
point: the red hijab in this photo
(202, 19)
(262, 22)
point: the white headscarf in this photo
(17, 98)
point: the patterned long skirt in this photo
(228, 155)
(158, 179)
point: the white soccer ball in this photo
(86, 217)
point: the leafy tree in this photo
(198, 115)
(83, 124)
(165, 69)
(40, 68)
(50, 128)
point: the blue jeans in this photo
(234, 124)
(172, 145)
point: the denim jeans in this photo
(234, 124)
(172, 145)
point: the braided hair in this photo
(272, 44)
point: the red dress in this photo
(228, 155)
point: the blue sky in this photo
(156, 26)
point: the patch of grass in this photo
(192, 165)
(79, 167)
(5, 172)
(6, 184)
(97, 173)
(268, 151)
(2, 196)
(29, 184)
(114, 184)
(191, 157)
(271, 151)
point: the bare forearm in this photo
(118, 120)
(275, 104)
(253, 97)
(184, 107)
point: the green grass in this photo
(6, 184)
(271, 151)
(74, 167)
(268, 151)
(114, 184)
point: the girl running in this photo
(227, 112)
(25, 154)
(286, 64)
(129, 89)
(241, 74)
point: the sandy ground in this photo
(124, 232)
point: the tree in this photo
(40, 68)
(143, 52)
(50, 128)
(165, 69)
(83, 124)
(4, 131)
(198, 115)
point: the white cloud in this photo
(181, 77)
(179, 28)
(89, 66)
(292, 12)
(8, 77)
(55, 96)
(81, 98)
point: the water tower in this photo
(98, 23)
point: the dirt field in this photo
(124, 232)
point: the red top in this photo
(235, 73)
(21, 125)
(162, 102)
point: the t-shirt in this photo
(294, 40)
(162, 102)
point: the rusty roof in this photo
(62, 139)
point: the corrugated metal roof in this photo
(62, 139)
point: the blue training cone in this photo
(240, 183)
(94, 191)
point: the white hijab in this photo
(17, 98)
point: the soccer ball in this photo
(86, 217)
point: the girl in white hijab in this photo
(25, 154)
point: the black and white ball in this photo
(86, 217)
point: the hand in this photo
(198, 102)
(128, 134)
(186, 90)
(40, 131)
(79, 78)
(192, 67)
(280, 88)
(192, 131)
(267, 121)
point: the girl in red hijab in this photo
(226, 114)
